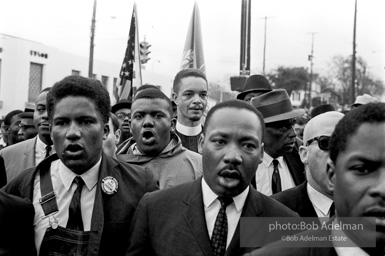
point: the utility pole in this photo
(245, 38)
(354, 55)
(264, 45)
(91, 60)
(311, 67)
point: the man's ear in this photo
(330, 174)
(262, 152)
(118, 133)
(174, 97)
(303, 154)
(173, 124)
(6, 129)
(200, 143)
(106, 131)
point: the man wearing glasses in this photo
(27, 128)
(281, 168)
(314, 198)
(122, 111)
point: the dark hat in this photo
(276, 106)
(28, 113)
(121, 104)
(255, 83)
(321, 109)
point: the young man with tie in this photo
(83, 199)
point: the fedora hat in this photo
(276, 106)
(121, 104)
(321, 109)
(255, 83)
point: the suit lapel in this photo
(293, 162)
(304, 204)
(195, 217)
(29, 159)
(250, 209)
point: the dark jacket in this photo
(112, 214)
(172, 222)
(16, 226)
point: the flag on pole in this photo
(193, 56)
(130, 72)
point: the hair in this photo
(78, 86)
(237, 104)
(350, 123)
(186, 73)
(114, 121)
(10, 115)
(47, 89)
(145, 87)
(154, 94)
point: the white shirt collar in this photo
(268, 160)
(90, 177)
(321, 201)
(209, 196)
(187, 130)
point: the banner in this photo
(193, 56)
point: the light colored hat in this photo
(364, 99)
(276, 106)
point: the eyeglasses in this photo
(323, 142)
(25, 126)
(123, 116)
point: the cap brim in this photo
(289, 115)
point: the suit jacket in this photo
(18, 157)
(295, 165)
(16, 226)
(112, 214)
(298, 200)
(172, 222)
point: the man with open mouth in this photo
(83, 199)
(154, 143)
(203, 217)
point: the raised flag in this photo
(130, 72)
(193, 56)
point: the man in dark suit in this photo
(16, 226)
(202, 217)
(281, 167)
(313, 198)
(84, 200)
(357, 176)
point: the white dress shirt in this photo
(212, 207)
(320, 202)
(264, 175)
(187, 130)
(40, 150)
(62, 182)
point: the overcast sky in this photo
(66, 25)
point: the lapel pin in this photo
(109, 185)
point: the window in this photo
(76, 72)
(105, 81)
(35, 81)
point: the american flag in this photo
(130, 72)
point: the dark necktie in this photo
(332, 211)
(47, 150)
(74, 213)
(219, 236)
(276, 179)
